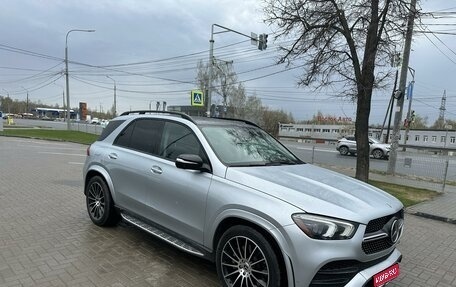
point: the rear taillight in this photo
(88, 150)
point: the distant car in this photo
(103, 123)
(347, 146)
(226, 190)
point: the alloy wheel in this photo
(343, 150)
(244, 263)
(377, 154)
(96, 201)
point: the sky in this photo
(150, 49)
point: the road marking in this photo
(75, 163)
(317, 149)
(61, 153)
(53, 147)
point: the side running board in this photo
(161, 234)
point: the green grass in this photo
(60, 135)
(407, 195)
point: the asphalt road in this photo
(422, 165)
(47, 239)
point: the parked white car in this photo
(347, 146)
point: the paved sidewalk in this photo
(440, 208)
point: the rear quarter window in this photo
(112, 125)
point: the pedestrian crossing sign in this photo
(197, 98)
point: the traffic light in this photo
(263, 42)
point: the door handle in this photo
(156, 169)
(112, 156)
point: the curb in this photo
(432, 216)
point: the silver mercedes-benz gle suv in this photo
(228, 191)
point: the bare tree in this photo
(254, 110)
(225, 84)
(272, 118)
(344, 43)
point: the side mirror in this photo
(189, 161)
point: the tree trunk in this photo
(365, 85)
(361, 135)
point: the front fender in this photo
(275, 232)
(254, 219)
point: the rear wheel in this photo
(377, 153)
(343, 150)
(245, 258)
(99, 203)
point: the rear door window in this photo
(142, 135)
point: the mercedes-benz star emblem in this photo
(396, 230)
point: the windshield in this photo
(247, 146)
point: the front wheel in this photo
(343, 150)
(377, 154)
(99, 203)
(245, 258)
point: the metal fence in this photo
(87, 128)
(426, 169)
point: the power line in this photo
(27, 52)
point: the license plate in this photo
(386, 275)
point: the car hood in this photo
(381, 145)
(317, 190)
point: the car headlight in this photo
(324, 228)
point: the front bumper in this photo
(333, 263)
(364, 277)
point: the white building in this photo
(329, 134)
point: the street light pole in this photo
(253, 39)
(115, 103)
(68, 116)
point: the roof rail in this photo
(143, 112)
(241, 120)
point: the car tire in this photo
(245, 258)
(377, 153)
(343, 150)
(100, 205)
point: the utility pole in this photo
(402, 81)
(27, 102)
(409, 118)
(115, 101)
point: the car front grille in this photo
(377, 226)
(376, 246)
(339, 273)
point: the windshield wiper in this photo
(281, 162)
(248, 164)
